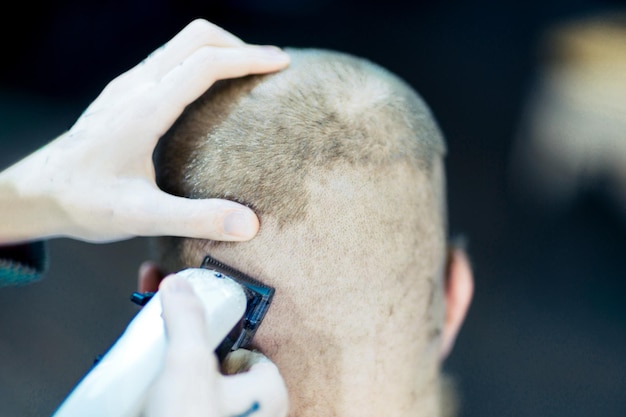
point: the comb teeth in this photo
(239, 276)
(258, 296)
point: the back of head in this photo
(342, 162)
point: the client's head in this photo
(343, 164)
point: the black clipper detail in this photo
(258, 297)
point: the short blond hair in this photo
(255, 139)
(343, 163)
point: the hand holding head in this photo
(97, 181)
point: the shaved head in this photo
(343, 163)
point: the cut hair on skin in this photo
(343, 163)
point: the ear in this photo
(149, 277)
(459, 291)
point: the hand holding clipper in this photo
(119, 384)
(191, 385)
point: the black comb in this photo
(258, 297)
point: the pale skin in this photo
(339, 350)
(96, 183)
(368, 300)
(191, 384)
(459, 289)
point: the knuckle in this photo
(203, 29)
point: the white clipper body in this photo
(117, 385)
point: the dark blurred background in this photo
(545, 335)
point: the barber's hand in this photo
(191, 385)
(96, 182)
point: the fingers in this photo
(208, 64)
(213, 219)
(183, 313)
(241, 360)
(190, 377)
(188, 384)
(195, 35)
(258, 392)
(184, 68)
(205, 66)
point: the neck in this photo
(361, 380)
(391, 387)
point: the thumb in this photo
(213, 218)
(258, 389)
(188, 383)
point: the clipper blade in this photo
(258, 296)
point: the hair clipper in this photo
(116, 386)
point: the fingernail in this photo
(241, 224)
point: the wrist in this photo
(28, 206)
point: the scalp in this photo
(343, 163)
(256, 139)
